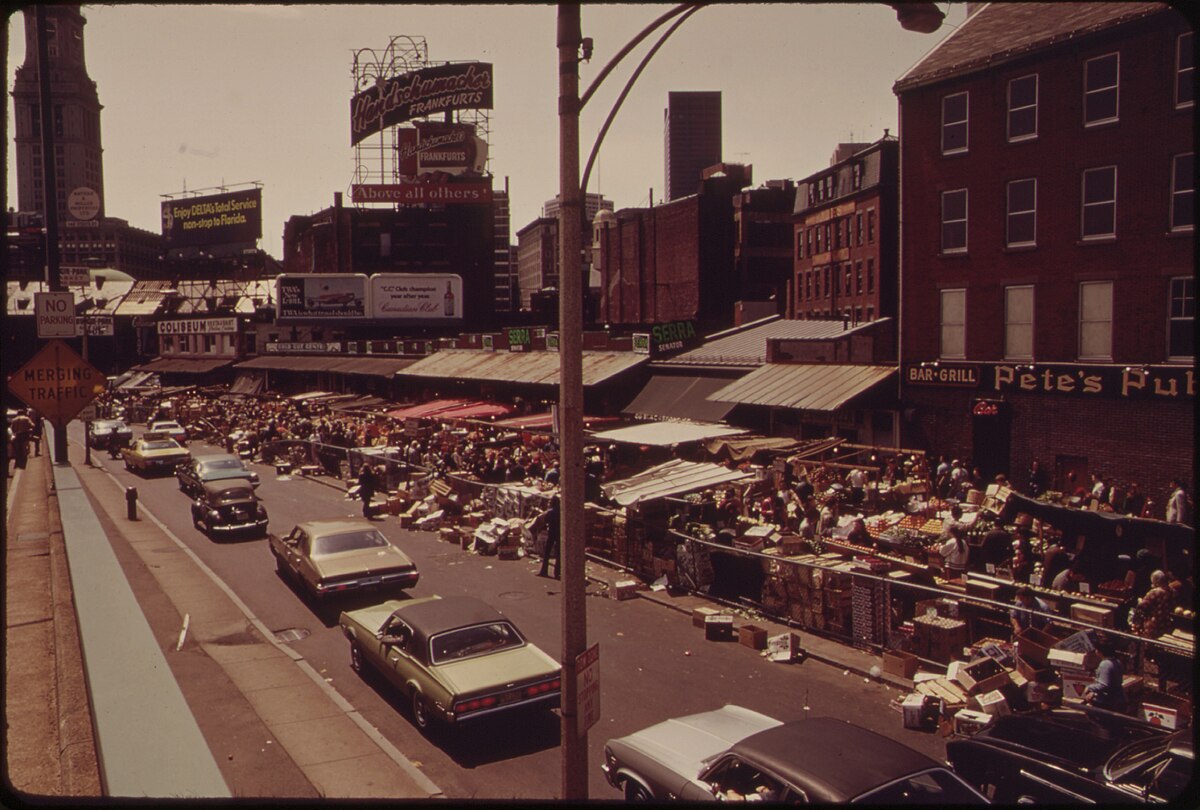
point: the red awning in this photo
(539, 421)
(427, 408)
(476, 410)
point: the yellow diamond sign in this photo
(57, 382)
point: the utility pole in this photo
(571, 464)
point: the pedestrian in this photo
(1179, 505)
(1022, 616)
(856, 481)
(368, 481)
(1135, 501)
(1107, 691)
(22, 428)
(1151, 617)
(553, 538)
(1037, 479)
(35, 434)
(955, 552)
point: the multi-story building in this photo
(537, 258)
(692, 136)
(672, 262)
(593, 204)
(846, 235)
(504, 268)
(762, 251)
(1048, 297)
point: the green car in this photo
(455, 659)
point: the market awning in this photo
(247, 384)
(290, 363)
(536, 368)
(545, 421)
(373, 366)
(476, 410)
(671, 478)
(181, 365)
(1092, 523)
(680, 397)
(136, 379)
(804, 386)
(665, 434)
(363, 403)
(426, 408)
(740, 449)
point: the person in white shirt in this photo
(1099, 489)
(1178, 509)
(956, 552)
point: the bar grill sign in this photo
(55, 314)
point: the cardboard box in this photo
(1033, 646)
(1074, 684)
(625, 589)
(969, 721)
(993, 703)
(1099, 616)
(784, 647)
(718, 627)
(1167, 711)
(900, 663)
(920, 711)
(752, 636)
(1067, 659)
(700, 614)
(981, 675)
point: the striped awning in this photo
(672, 478)
(804, 386)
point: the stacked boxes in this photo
(869, 611)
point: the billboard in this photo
(440, 147)
(460, 86)
(219, 219)
(416, 296)
(321, 296)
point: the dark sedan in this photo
(229, 507)
(1069, 756)
(217, 467)
(737, 754)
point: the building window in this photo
(858, 228)
(870, 226)
(808, 234)
(826, 281)
(858, 279)
(1021, 222)
(1022, 108)
(1183, 71)
(1100, 76)
(870, 275)
(837, 281)
(828, 236)
(1098, 218)
(953, 324)
(954, 124)
(1095, 320)
(808, 284)
(849, 277)
(1181, 337)
(1018, 323)
(954, 221)
(1183, 189)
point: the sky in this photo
(199, 96)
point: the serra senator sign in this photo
(57, 382)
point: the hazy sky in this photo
(199, 96)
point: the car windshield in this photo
(161, 444)
(223, 464)
(1136, 755)
(478, 639)
(935, 786)
(98, 426)
(234, 495)
(348, 541)
(165, 426)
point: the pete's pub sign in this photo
(1129, 382)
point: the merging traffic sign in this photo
(57, 383)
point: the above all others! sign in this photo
(1127, 382)
(416, 296)
(431, 90)
(422, 193)
(219, 219)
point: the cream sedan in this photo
(339, 557)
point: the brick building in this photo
(762, 249)
(1048, 298)
(537, 258)
(846, 235)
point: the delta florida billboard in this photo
(411, 297)
(219, 219)
(419, 93)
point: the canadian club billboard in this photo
(431, 90)
(219, 219)
(416, 296)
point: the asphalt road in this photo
(654, 663)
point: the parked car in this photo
(216, 467)
(734, 752)
(338, 557)
(456, 659)
(1069, 756)
(172, 428)
(102, 429)
(154, 453)
(228, 507)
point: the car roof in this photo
(814, 754)
(223, 484)
(216, 457)
(447, 613)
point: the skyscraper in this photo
(692, 132)
(75, 114)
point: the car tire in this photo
(356, 658)
(635, 791)
(420, 711)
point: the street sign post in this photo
(587, 690)
(57, 383)
(55, 314)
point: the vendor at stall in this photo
(955, 552)
(1151, 617)
(859, 535)
(1107, 691)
